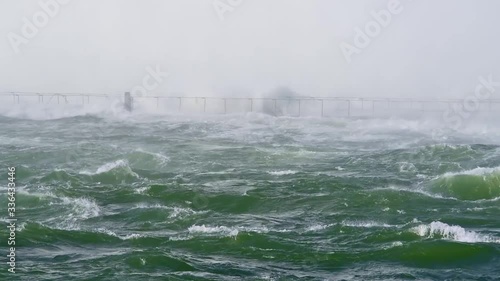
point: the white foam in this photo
(249, 127)
(452, 232)
(122, 237)
(227, 231)
(318, 227)
(223, 230)
(282, 173)
(394, 245)
(397, 244)
(131, 236)
(475, 172)
(475, 209)
(142, 190)
(23, 190)
(21, 227)
(82, 207)
(282, 230)
(111, 166)
(487, 200)
(179, 238)
(175, 211)
(414, 190)
(181, 212)
(368, 224)
(162, 158)
(154, 206)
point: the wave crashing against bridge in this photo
(289, 105)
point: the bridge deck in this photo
(295, 106)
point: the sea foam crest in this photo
(452, 232)
(123, 164)
(367, 224)
(474, 172)
(282, 173)
(226, 231)
(82, 207)
(112, 165)
(160, 157)
(122, 237)
(318, 227)
(175, 211)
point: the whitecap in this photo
(475, 172)
(318, 227)
(367, 224)
(21, 227)
(142, 190)
(394, 245)
(414, 190)
(84, 208)
(452, 232)
(282, 173)
(121, 237)
(111, 166)
(223, 230)
(226, 231)
(175, 211)
(160, 157)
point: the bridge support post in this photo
(128, 102)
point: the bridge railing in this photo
(294, 106)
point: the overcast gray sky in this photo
(431, 48)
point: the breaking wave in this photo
(457, 233)
(476, 184)
(112, 172)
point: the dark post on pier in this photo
(128, 100)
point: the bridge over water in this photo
(292, 106)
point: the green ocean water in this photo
(250, 197)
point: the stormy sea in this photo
(250, 196)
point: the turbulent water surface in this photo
(251, 197)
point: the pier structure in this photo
(288, 106)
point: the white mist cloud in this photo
(432, 48)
